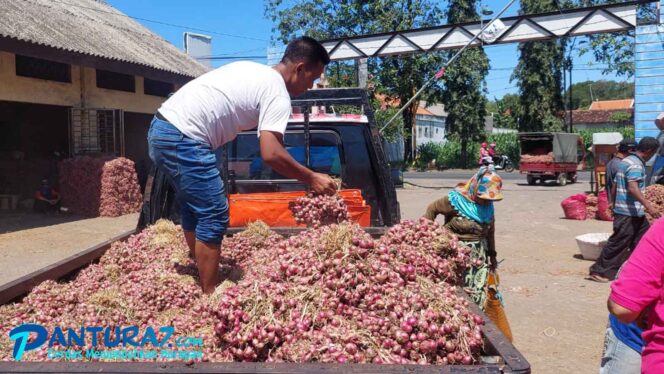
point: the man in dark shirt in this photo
(46, 198)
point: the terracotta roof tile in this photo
(626, 104)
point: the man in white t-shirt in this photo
(209, 112)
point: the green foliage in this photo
(397, 77)
(587, 135)
(616, 50)
(507, 144)
(449, 154)
(341, 74)
(507, 112)
(601, 90)
(395, 128)
(465, 87)
(622, 118)
(426, 153)
(539, 76)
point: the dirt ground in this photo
(557, 317)
(29, 242)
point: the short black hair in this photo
(627, 145)
(647, 144)
(307, 50)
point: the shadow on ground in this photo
(17, 221)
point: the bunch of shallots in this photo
(317, 210)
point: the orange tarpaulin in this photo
(272, 208)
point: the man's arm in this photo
(635, 191)
(623, 314)
(440, 206)
(275, 155)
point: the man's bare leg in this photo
(190, 236)
(207, 260)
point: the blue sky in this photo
(240, 28)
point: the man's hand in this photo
(323, 184)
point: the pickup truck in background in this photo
(346, 146)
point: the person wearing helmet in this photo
(484, 152)
(492, 150)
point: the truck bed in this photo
(555, 167)
(499, 355)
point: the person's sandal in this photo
(597, 278)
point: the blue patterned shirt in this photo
(631, 169)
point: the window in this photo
(244, 156)
(42, 69)
(157, 88)
(115, 81)
(436, 130)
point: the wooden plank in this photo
(496, 341)
(650, 107)
(241, 368)
(652, 89)
(649, 37)
(652, 98)
(644, 65)
(23, 285)
(647, 73)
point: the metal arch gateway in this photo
(531, 27)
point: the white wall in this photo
(430, 129)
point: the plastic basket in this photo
(591, 244)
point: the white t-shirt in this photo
(239, 96)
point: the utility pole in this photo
(571, 119)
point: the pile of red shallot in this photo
(328, 294)
(537, 159)
(99, 186)
(316, 210)
(591, 206)
(655, 194)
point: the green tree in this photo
(507, 112)
(621, 118)
(583, 93)
(465, 87)
(616, 50)
(539, 75)
(397, 77)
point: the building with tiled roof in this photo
(78, 77)
(624, 104)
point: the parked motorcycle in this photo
(503, 162)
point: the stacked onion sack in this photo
(655, 194)
(328, 294)
(591, 206)
(537, 159)
(99, 186)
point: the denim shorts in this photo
(191, 167)
(618, 357)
